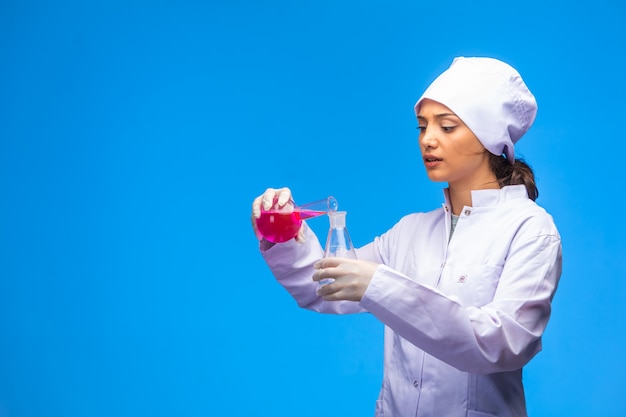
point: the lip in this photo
(431, 161)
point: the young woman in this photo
(465, 290)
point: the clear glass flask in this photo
(338, 242)
(278, 225)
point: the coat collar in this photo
(492, 197)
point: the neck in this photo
(459, 199)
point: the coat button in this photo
(415, 384)
(462, 279)
(468, 212)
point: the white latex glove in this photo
(272, 198)
(352, 277)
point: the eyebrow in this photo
(439, 116)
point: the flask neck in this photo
(337, 219)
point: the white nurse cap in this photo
(491, 99)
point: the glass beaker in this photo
(278, 225)
(338, 242)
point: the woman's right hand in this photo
(272, 198)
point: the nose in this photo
(427, 138)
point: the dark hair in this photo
(513, 174)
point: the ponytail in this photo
(513, 174)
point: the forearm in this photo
(478, 340)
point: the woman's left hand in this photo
(352, 276)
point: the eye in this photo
(422, 129)
(448, 129)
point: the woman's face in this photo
(451, 152)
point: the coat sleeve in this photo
(499, 336)
(291, 264)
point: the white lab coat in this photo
(462, 316)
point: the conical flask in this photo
(338, 242)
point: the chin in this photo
(436, 178)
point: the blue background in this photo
(135, 135)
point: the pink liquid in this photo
(279, 227)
